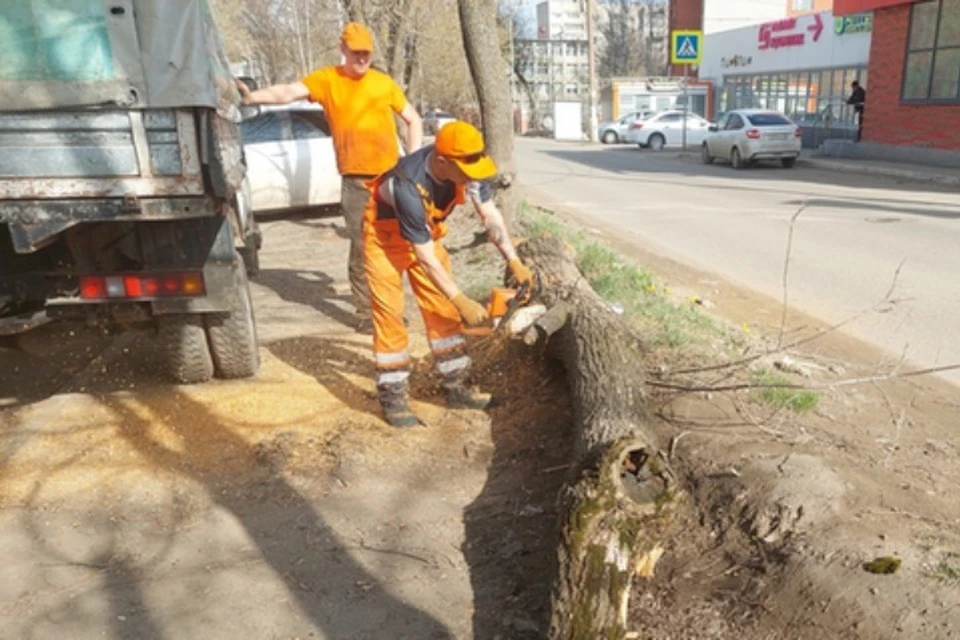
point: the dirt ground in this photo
(283, 507)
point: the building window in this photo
(932, 68)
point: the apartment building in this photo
(554, 66)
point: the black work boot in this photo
(462, 395)
(396, 411)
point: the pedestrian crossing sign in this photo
(685, 47)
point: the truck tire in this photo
(233, 334)
(184, 343)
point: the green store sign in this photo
(856, 23)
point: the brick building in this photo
(797, 8)
(913, 93)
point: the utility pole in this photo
(592, 70)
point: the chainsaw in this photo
(504, 302)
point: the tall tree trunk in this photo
(355, 10)
(490, 72)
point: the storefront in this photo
(801, 66)
(913, 98)
(625, 95)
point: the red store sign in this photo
(779, 34)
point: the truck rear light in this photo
(753, 134)
(141, 286)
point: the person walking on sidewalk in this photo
(402, 229)
(360, 103)
(857, 98)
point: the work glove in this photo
(471, 311)
(523, 275)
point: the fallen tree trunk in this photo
(616, 505)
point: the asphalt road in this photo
(848, 243)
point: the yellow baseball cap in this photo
(461, 142)
(357, 37)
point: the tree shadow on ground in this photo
(311, 287)
(334, 364)
(511, 526)
(637, 165)
(322, 579)
(880, 206)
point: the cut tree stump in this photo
(617, 503)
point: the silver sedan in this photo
(666, 130)
(747, 135)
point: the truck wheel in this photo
(184, 343)
(233, 334)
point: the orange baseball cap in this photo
(461, 142)
(357, 37)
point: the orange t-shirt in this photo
(360, 112)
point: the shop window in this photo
(932, 66)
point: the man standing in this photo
(857, 98)
(359, 103)
(402, 227)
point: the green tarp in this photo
(58, 54)
(54, 40)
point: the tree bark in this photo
(355, 11)
(490, 72)
(618, 501)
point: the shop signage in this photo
(783, 33)
(856, 23)
(736, 61)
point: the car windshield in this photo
(767, 119)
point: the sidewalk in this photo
(902, 170)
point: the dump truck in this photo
(123, 193)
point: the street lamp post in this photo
(592, 71)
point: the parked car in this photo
(744, 136)
(290, 158)
(665, 129)
(616, 131)
(433, 120)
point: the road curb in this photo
(892, 172)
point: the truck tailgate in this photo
(99, 153)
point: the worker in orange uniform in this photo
(402, 226)
(360, 103)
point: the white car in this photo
(434, 120)
(747, 135)
(665, 129)
(291, 163)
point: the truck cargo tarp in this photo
(128, 53)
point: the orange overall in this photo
(387, 255)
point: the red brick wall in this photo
(888, 121)
(684, 14)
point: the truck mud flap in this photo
(217, 275)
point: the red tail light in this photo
(636, 125)
(753, 134)
(141, 286)
(798, 132)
